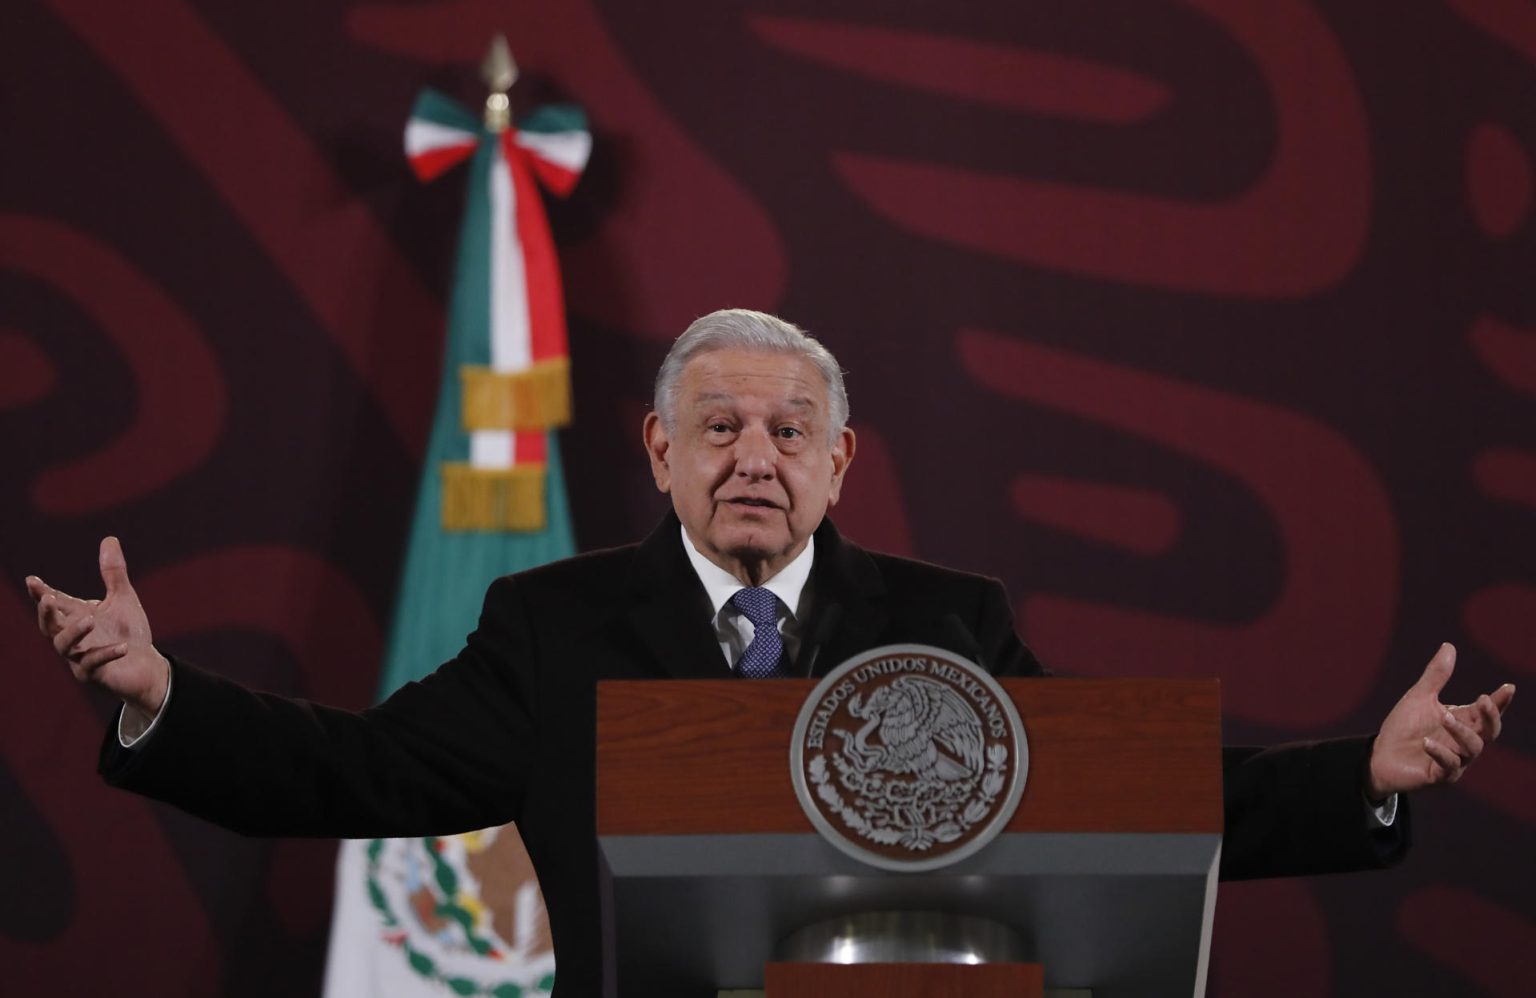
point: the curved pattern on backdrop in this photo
(1207, 325)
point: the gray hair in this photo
(744, 329)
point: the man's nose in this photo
(756, 456)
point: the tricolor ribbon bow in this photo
(506, 324)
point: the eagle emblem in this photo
(921, 726)
(909, 757)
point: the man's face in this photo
(749, 463)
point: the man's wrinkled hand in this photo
(107, 642)
(1423, 742)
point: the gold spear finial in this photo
(499, 73)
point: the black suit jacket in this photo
(506, 730)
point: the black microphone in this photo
(962, 640)
(824, 628)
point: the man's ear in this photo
(842, 457)
(656, 445)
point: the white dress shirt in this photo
(732, 628)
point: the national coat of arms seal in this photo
(463, 911)
(909, 757)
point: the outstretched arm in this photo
(107, 642)
(447, 753)
(1423, 742)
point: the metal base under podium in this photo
(1104, 912)
(1049, 992)
(903, 937)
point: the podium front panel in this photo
(1107, 870)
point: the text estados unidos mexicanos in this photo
(816, 731)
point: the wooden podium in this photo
(1106, 872)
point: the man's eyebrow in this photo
(715, 397)
(797, 402)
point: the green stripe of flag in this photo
(554, 118)
(444, 110)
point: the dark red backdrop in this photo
(1208, 326)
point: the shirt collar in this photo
(721, 585)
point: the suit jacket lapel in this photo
(848, 612)
(668, 608)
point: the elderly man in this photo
(747, 577)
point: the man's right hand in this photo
(107, 642)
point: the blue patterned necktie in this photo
(763, 658)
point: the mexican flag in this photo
(462, 915)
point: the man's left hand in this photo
(1423, 742)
